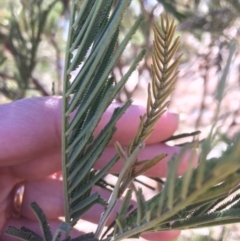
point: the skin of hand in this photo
(30, 151)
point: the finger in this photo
(163, 236)
(38, 168)
(31, 128)
(149, 152)
(28, 128)
(128, 125)
(81, 228)
(43, 166)
(53, 207)
(48, 194)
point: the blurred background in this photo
(33, 37)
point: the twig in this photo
(117, 190)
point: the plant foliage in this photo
(94, 31)
(24, 35)
(200, 197)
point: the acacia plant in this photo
(199, 198)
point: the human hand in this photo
(30, 151)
